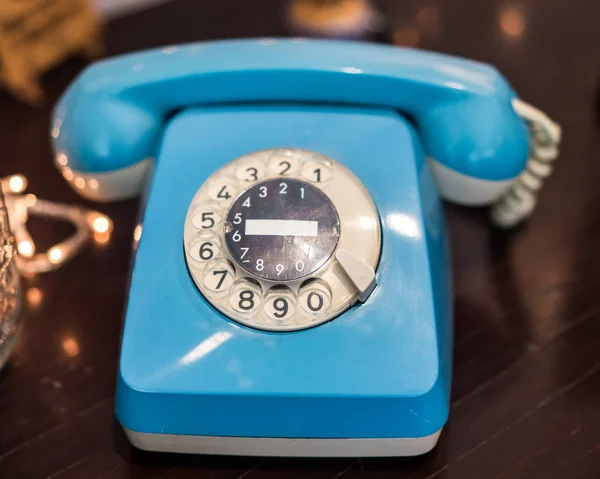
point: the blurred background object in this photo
(110, 9)
(10, 288)
(35, 35)
(334, 18)
(18, 250)
(21, 207)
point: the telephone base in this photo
(283, 446)
(193, 380)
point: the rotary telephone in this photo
(290, 292)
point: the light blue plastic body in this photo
(380, 370)
(114, 113)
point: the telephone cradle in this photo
(290, 293)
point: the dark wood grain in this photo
(526, 390)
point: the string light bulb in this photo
(62, 159)
(101, 224)
(102, 238)
(25, 248)
(55, 255)
(17, 184)
(137, 233)
(512, 21)
(70, 347)
(79, 183)
(20, 207)
(67, 173)
(34, 297)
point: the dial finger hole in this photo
(284, 163)
(246, 297)
(204, 248)
(223, 191)
(315, 297)
(219, 276)
(280, 305)
(317, 171)
(250, 171)
(206, 218)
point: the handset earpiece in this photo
(104, 144)
(476, 168)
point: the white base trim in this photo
(466, 190)
(110, 186)
(283, 447)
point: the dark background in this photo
(526, 389)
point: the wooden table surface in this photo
(526, 386)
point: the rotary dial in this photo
(282, 240)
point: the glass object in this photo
(10, 288)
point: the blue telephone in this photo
(290, 292)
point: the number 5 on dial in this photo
(204, 220)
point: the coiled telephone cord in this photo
(520, 199)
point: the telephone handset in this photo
(108, 125)
(293, 257)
